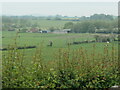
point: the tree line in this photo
(97, 23)
(93, 26)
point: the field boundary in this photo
(27, 47)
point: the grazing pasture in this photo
(59, 41)
(87, 65)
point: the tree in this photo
(51, 29)
(57, 18)
(91, 28)
(83, 27)
(68, 25)
(101, 17)
(23, 30)
(76, 28)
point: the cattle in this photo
(50, 43)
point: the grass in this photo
(91, 65)
(48, 23)
(59, 41)
(69, 69)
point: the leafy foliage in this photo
(70, 69)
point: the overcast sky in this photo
(61, 8)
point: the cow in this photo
(50, 43)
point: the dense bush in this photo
(93, 26)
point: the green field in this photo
(46, 24)
(59, 41)
(40, 67)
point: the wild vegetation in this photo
(91, 65)
(93, 26)
(76, 68)
(84, 58)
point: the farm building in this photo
(62, 31)
(67, 30)
(44, 31)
